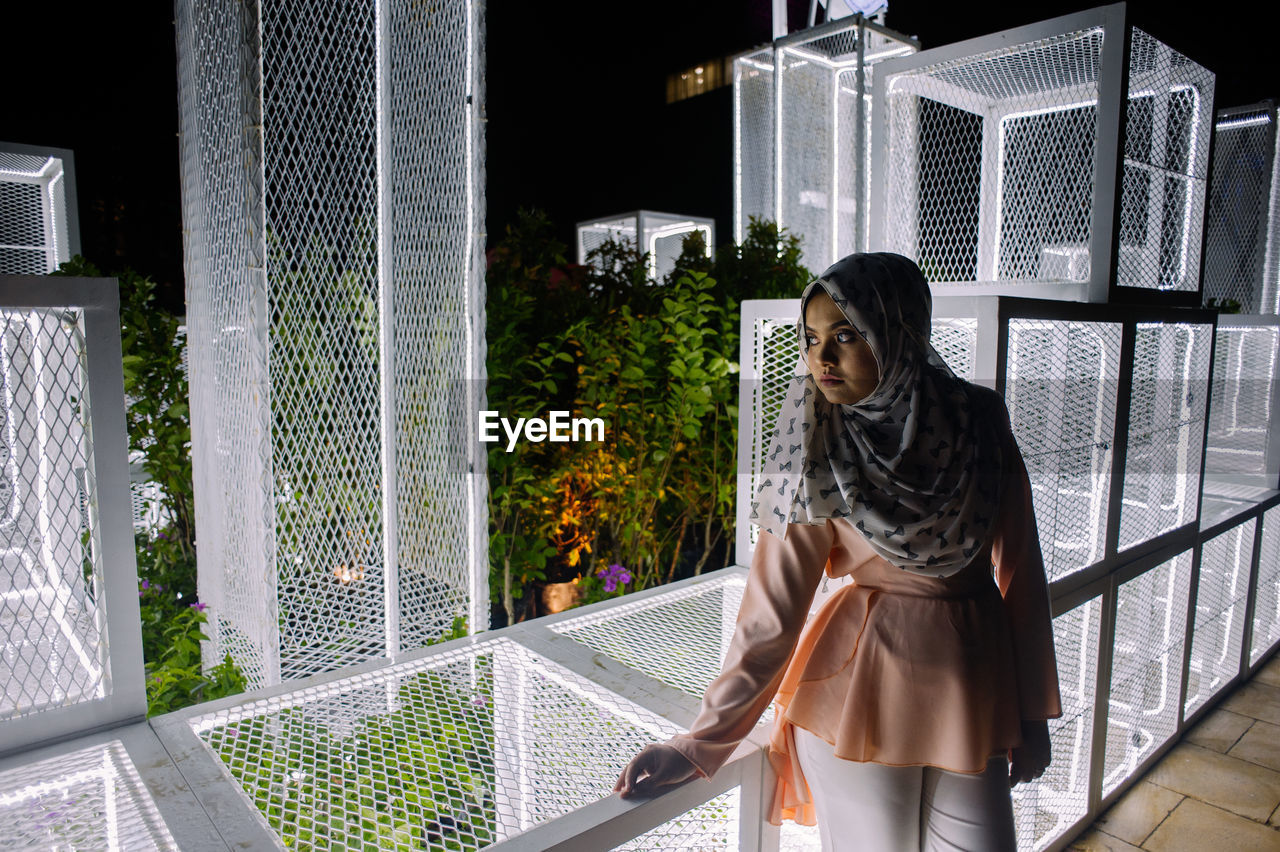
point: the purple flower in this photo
(146, 584)
(614, 575)
(199, 607)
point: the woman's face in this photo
(839, 358)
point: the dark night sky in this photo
(578, 123)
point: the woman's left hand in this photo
(1027, 762)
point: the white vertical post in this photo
(386, 346)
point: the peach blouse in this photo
(895, 668)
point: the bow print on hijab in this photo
(914, 466)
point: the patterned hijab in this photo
(914, 466)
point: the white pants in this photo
(869, 807)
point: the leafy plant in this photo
(656, 362)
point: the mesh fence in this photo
(1146, 667)
(1166, 168)
(1239, 231)
(990, 159)
(1060, 388)
(336, 325)
(1244, 373)
(224, 255)
(1266, 608)
(1221, 595)
(956, 340)
(754, 134)
(89, 799)
(456, 751)
(51, 628)
(801, 157)
(1166, 429)
(33, 214)
(713, 825)
(679, 637)
(1045, 809)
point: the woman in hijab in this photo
(918, 694)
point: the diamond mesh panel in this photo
(956, 340)
(713, 825)
(52, 633)
(224, 255)
(1146, 667)
(1240, 225)
(334, 388)
(1166, 167)
(1060, 389)
(990, 158)
(754, 134)
(1225, 561)
(456, 751)
(679, 638)
(88, 799)
(1166, 429)
(812, 188)
(812, 101)
(1266, 608)
(33, 214)
(321, 197)
(1244, 373)
(592, 235)
(435, 180)
(775, 353)
(1047, 808)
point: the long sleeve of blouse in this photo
(780, 587)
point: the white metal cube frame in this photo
(1243, 449)
(660, 236)
(68, 605)
(78, 765)
(1063, 159)
(802, 134)
(39, 222)
(1242, 232)
(333, 205)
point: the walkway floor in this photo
(1218, 789)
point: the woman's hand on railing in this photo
(1028, 761)
(655, 767)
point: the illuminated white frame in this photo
(124, 693)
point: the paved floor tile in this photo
(1270, 672)
(1256, 699)
(1099, 841)
(1261, 745)
(1138, 812)
(1219, 730)
(1227, 782)
(1194, 827)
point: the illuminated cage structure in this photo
(1242, 453)
(1066, 159)
(658, 235)
(39, 223)
(70, 642)
(801, 131)
(1162, 598)
(332, 178)
(1242, 237)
